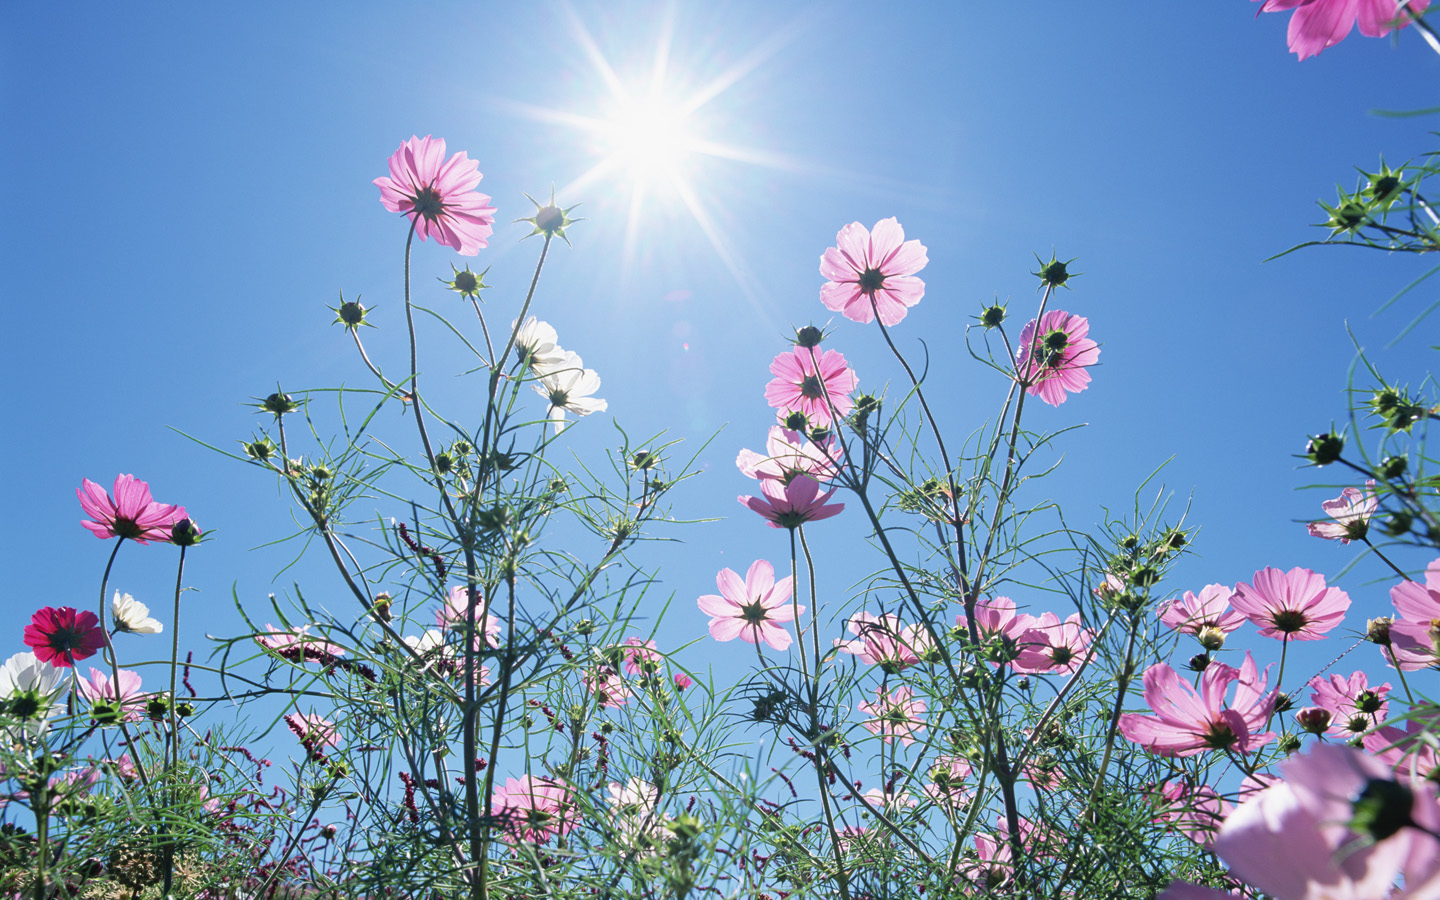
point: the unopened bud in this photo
(1314, 719)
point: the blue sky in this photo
(190, 188)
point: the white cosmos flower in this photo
(569, 387)
(29, 689)
(132, 615)
(536, 342)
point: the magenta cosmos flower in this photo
(1355, 708)
(1416, 634)
(751, 609)
(533, 809)
(882, 641)
(1349, 515)
(1294, 605)
(792, 505)
(1187, 722)
(1054, 646)
(438, 194)
(1052, 359)
(61, 636)
(872, 271)
(811, 384)
(641, 656)
(897, 715)
(131, 514)
(1317, 24)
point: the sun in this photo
(648, 136)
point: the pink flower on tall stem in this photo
(438, 194)
(641, 656)
(1054, 646)
(62, 636)
(1317, 24)
(1187, 722)
(895, 716)
(790, 454)
(872, 271)
(1051, 360)
(608, 687)
(533, 809)
(1354, 706)
(127, 701)
(132, 514)
(1207, 611)
(1349, 515)
(751, 609)
(882, 641)
(1001, 628)
(1294, 605)
(1415, 635)
(791, 505)
(453, 614)
(811, 383)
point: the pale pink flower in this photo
(1001, 629)
(1317, 24)
(1196, 812)
(297, 643)
(635, 806)
(896, 715)
(882, 641)
(1196, 612)
(533, 809)
(608, 687)
(640, 656)
(791, 505)
(751, 609)
(811, 383)
(452, 614)
(438, 194)
(1308, 837)
(1354, 706)
(888, 801)
(314, 732)
(872, 271)
(132, 514)
(1415, 635)
(1349, 515)
(1051, 360)
(1187, 722)
(1051, 645)
(1294, 605)
(127, 702)
(1409, 750)
(790, 454)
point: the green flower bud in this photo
(1393, 467)
(992, 316)
(1054, 273)
(466, 283)
(1324, 449)
(185, 533)
(809, 336)
(279, 404)
(1289, 743)
(260, 450)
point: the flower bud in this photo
(1283, 702)
(1314, 719)
(1054, 273)
(644, 460)
(351, 314)
(1324, 449)
(1199, 662)
(1288, 743)
(1393, 467)
(185, 533)
(466, 283)
(279, 404)
(1377, 630)
(992, 316)
(1211, 638)
(380, 607)
(809, 336)
(184, 709)
(1398, 524)
(796, 421)
(260, 450)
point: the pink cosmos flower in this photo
(791, 454)
(452, 614)
(1339, 827)
(1294, 605)
(1415, 635)
(640, 656)
(873, 270)
(315, 732)
(1317, 24)
(1051, 645)
(1410, 751)
(62, 636)
(682, 681)
(438, 195)
(533, 809)
(1210, 609)
(132, 514)
(1001, 628)
(810, 383)
(1186, 722)
(882, 641)
(100, 688)
(1052, 359)
(608, 687)
(791, 505)
(751, 609)
(297, 644)
(1354, 706)
(896, 715)
(1196, 812)
(1349, 515)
